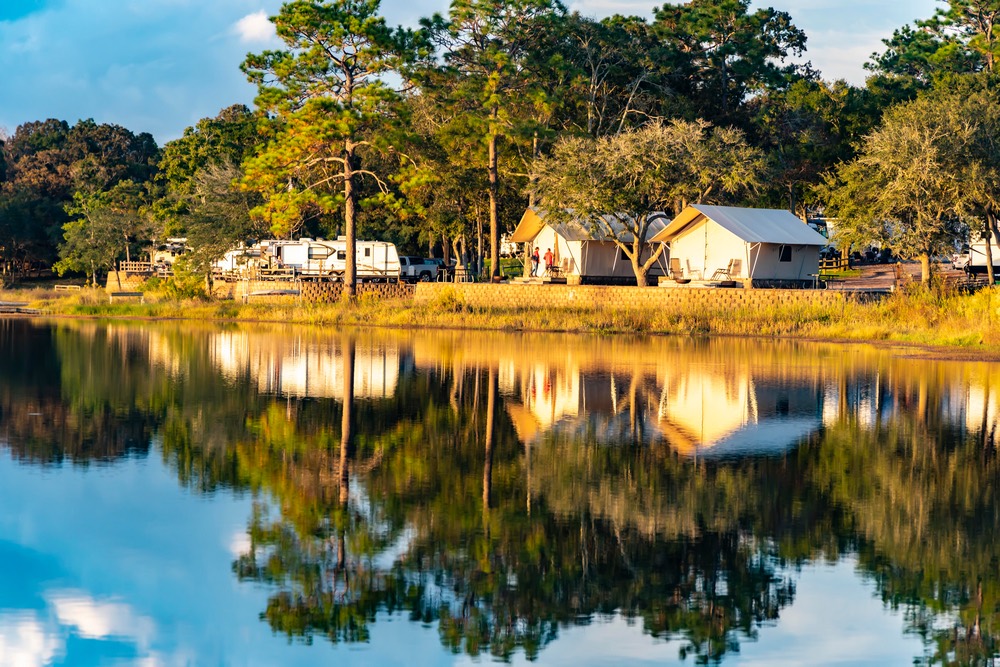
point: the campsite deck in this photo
(874, 279)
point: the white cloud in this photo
(255, 28)
(24, 642)
(239, 544)
(101, 620)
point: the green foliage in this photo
(721, 52)
(199, 197)
(49, 169)
(186, 283)
(334, 108)
(905, 189)
(107, 224)
(333, 104)
(487, 83)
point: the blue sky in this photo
(160, 65)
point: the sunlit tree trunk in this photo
(988, 237)
(494, 206)
(925, 269)
(350, 268)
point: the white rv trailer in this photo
(236, 262)
(977, 258)
(318, 259)
(165, 254)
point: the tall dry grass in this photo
(938, 316)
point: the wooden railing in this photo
(831, 265)
(135, 267)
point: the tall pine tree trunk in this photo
(494, 207)
(988, 237)
(351, 265)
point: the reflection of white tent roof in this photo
(708, 415)
(768, 437)
(752, 225)
(576, 229)
(707, 408)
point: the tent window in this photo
(784, 253)
(622, 255)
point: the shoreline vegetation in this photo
(940, 317)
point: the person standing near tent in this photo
(534, 261)
(548, 260)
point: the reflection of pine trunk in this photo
(346, 442)
(491, 400)
(843, 410)
(986, 429)
(527, 460)
(922, 401)
(633, 409)
(346, 428)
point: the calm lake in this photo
(181, 494)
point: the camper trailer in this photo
(237, 262)
(977, 258)
(165, 254)
(318, 259)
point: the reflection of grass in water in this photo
(938, 316)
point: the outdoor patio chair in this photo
(727, 273)
(675, 268)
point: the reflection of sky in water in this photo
(835, 620)
(120, 566)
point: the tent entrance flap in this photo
(750, 251)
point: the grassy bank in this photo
(938, 317)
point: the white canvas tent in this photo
(585, 250)
(765, 246)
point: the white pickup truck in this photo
(417, 269)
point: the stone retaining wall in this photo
(130, 282)
(506, 295)
(312, 292)
(485, 295)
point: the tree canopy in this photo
(437, 138)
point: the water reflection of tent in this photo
(706, 414)
(526, 424)
(578, 405)
(581, 248)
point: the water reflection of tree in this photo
(500, 543)
(927, 510)
(691, 548)
(451, 482)
(62, 398)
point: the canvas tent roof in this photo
(532, 222)
(753, 225)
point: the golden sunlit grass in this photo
(939, 316)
